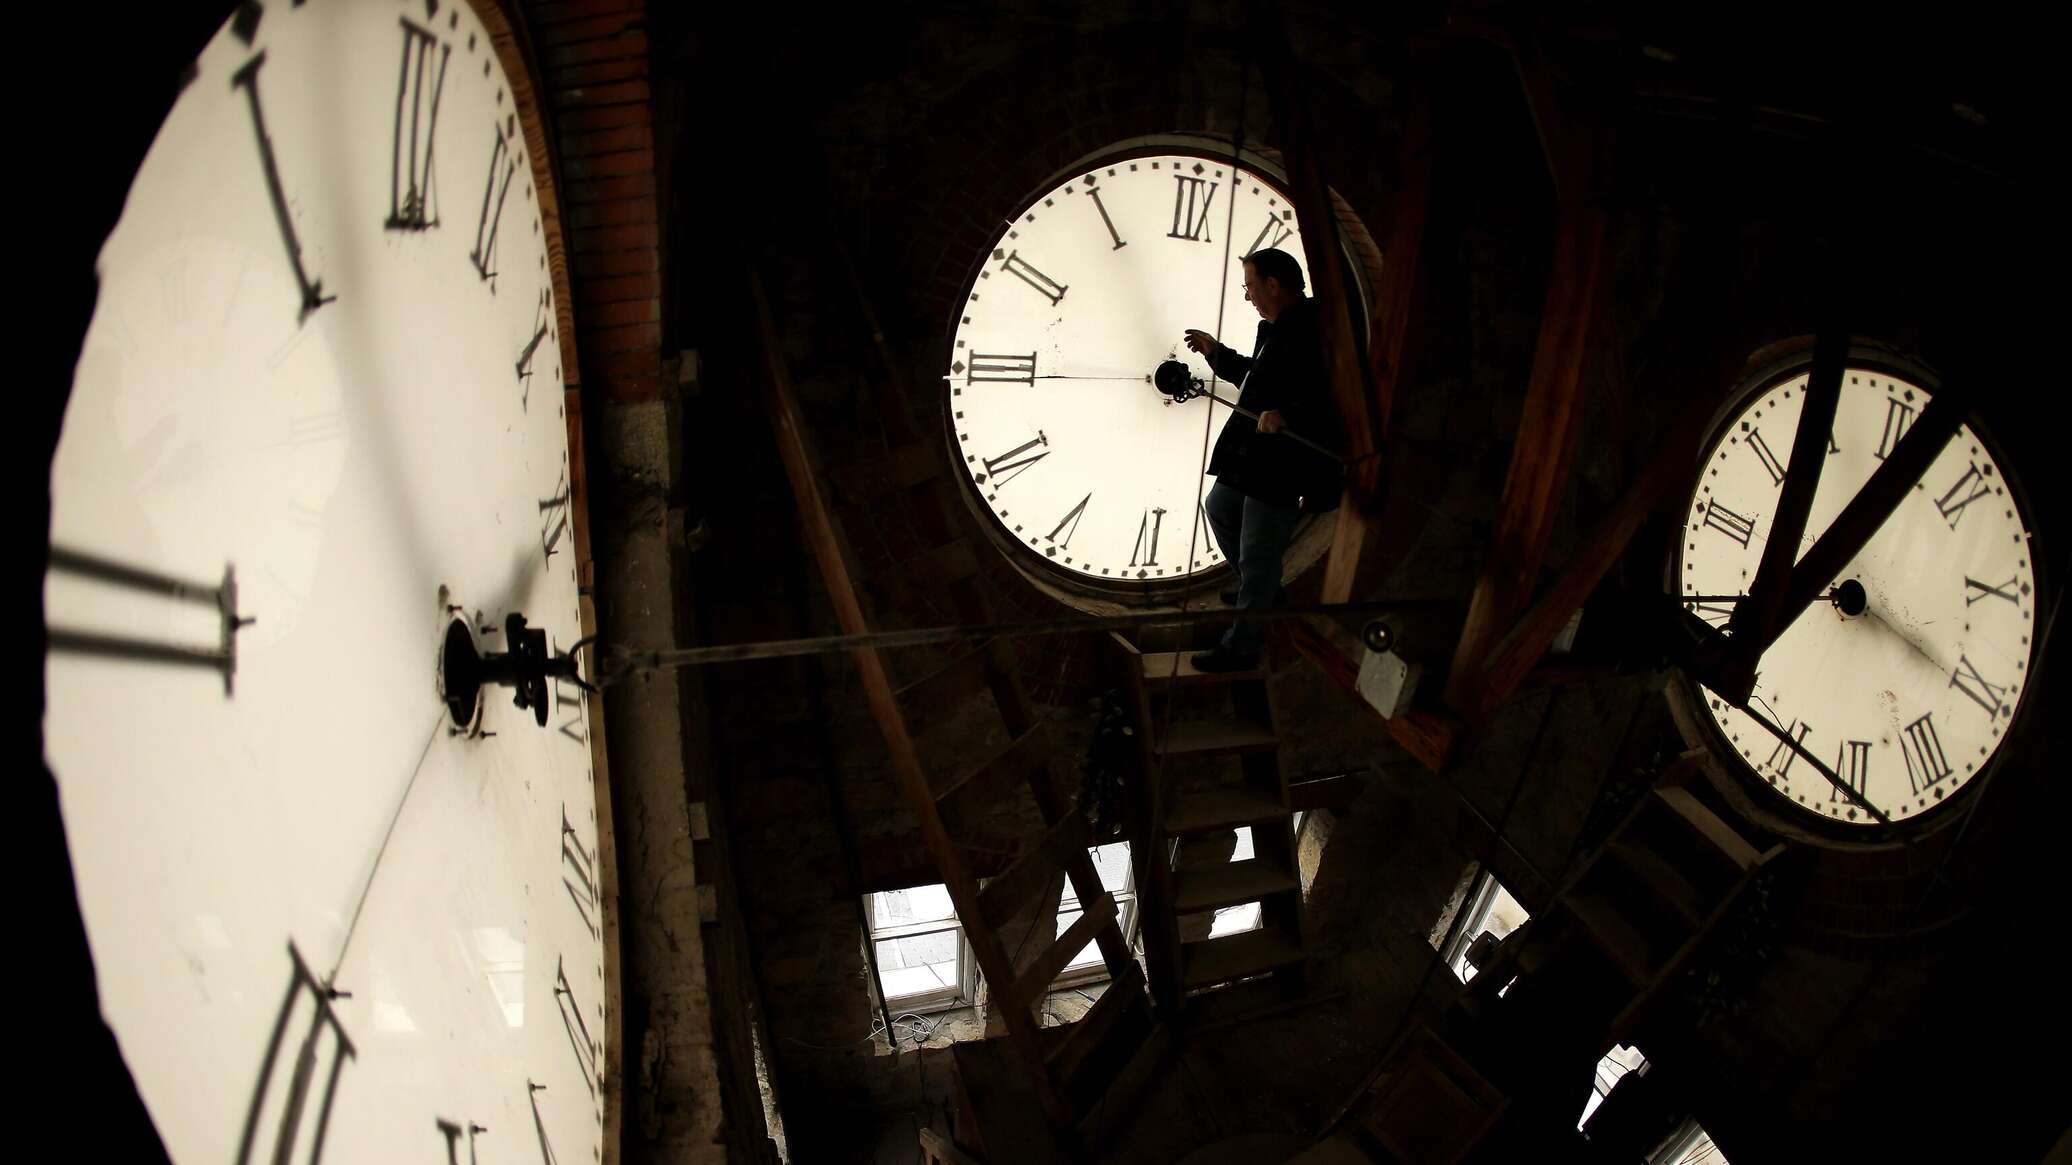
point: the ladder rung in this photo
(1627, 947)
(1158, 667)
(983, 785)
(1236, 956)
(928, 700)
(1708, 825)
(1198, 888)
(1660, 877)
(1047, 965)
(1213, 737)
(1211, 810)
(1032, 873)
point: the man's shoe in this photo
(1222, 660)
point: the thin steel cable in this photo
(366, 888)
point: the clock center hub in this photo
(1852, 599)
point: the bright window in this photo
(925, 963)
(1616, 1063)
(923, 960)
(1490, 910)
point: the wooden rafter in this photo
(1542, 454)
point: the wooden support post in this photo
(1545, 446)
(1425, 735)
(824, 536)
(1331, 283)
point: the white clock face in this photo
(324, 363)
(1908, 699)
(1056, 421)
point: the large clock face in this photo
(1908, 699)
(321, 392)
(1056, 422)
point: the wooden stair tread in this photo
(1103, 1041)
(1627, 947)
(993, 1086)
(1662, 878)
(1198, 888)
(1212, 737)
(1034, 977)
(1000, 899)
(1236, 956)
(1158, 669)
(1708, 825)
(1210, 810)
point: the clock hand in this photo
(409, 786)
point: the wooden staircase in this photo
(1063, 1071)
(1210, 757)
(1646, 900)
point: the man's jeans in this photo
(1253, 536)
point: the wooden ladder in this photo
(1065, 1076)
(1646, 899)
(1190, 727)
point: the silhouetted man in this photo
(1265, 481)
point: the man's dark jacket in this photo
(1287, 374)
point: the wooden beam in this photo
(1388, 328)
(1523, 646)
(1545, 446)
(1755, 618)
(1331, 284)
(823, 535)
(1424, 735)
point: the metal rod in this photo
(634, 660)
(1333, 454)
(107, 570)
(118, 647)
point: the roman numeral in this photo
(1105, 220)
(532, 346)
(1972, 485)
(313, 297)
(1923, 752)
(1192, 198)
(1071, 519)
(554, 517)
(1728, 522)
(568, 701)
(987, 367)
(1899, 416)
(578, 1030)
(1797, 731)
(323, 1043)
(1852, 764)
(1273, 234)
(412, 206)
(1006, 462)
(452, 1131)
(1145, 552)
(314, 429)
(2004, 590)
(501, 157)
(1983, 692)
(1019, 267)
(1763, 454)
(220, 657)
(579, 875)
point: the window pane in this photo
(916, 904)
(918, 963)
(1616, 1063)
(1088, 954)
(1701, 1152)
(1235, 919)
(1112, 862)
(1499, 916)
(1243, 852)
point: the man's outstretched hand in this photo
(1200, 342)
(1271, 421)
